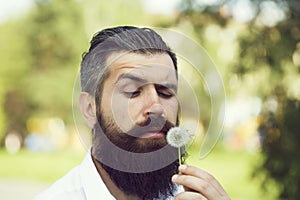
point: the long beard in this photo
(138, 166)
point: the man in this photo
(129, 86)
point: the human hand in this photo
(198, 184)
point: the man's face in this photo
(139, 96)
(138, 105)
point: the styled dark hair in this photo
(94, 66)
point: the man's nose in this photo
(153, 105)
(155, 110)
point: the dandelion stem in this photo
(179, 156)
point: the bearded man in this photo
(129, 99)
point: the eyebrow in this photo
(141, 80)
(131, 77)
(168, 85)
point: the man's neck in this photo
(111, 186)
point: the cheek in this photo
(171, 109)
(120, 111)
(134, 109)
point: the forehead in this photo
(157, 67)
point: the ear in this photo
(88, 108)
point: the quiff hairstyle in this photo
(94, 67)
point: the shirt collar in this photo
(93, 185)
(91, 180)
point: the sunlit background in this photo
(254, 44)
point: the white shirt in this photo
(81, 183)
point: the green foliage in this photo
(55, 35)
(269, 49)
(15, 63)
(40, 56)
(281, 140)
(267, 63)
(41, 52)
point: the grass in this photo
(234, 171)
(232, 168)
(40, 166)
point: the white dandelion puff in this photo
(178, 137)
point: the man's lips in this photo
(153, 135)
(150, 132)
(155, 128)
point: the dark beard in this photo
(138, 166)
(149, 185)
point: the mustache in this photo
(152, 124)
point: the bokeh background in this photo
(254, 44)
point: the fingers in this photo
(203, 175)
(190, 195)
(197, 185)
(201, 182)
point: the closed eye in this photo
(132, 94)
(166, 91)
(165, 94)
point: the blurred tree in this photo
(265, 62)
(15, 63)
(41, 52)
(100, 14)
(280, 143)
(56, 39)
(40, 56)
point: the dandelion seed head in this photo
(178, 137)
